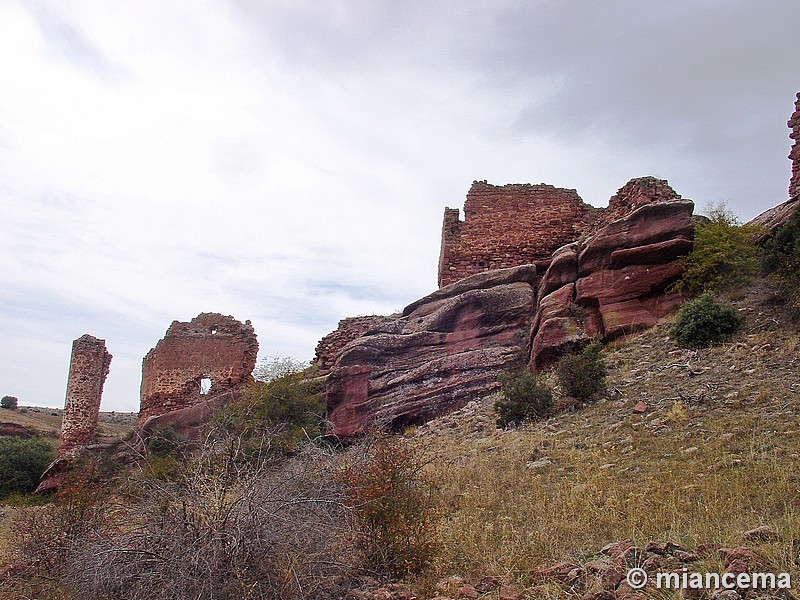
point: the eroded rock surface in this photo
(614, 282)
(440, 354)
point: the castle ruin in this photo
(88, 368)
(210, 354)
(517, 224)
(794, 155)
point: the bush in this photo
(705, 321)
(583, 375)
(280, 413)
(22, 462)
(222, 529)
(392, 502)
(725, 254)
(9, 402)
(782, 259)
(525, 398)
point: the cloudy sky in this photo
(288, 161)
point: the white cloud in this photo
(289, 162)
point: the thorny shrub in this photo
(392, 503)
(223, 528)
(706, 321)
(525, 398)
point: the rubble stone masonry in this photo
(510, 225)
(88, 369)
(517, 224)
(211, 346)
(794, 155)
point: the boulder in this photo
(437, 357)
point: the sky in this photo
(289, 161)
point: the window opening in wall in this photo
(205, 385)
(213, 330)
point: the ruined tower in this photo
(506, 226)
(88, 369)
(210, 354)
(794, 155)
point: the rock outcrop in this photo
(613, 283)
(445, 350)
(449, 347)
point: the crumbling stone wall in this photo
(211, 346)
(349, 329)
(635, 194)
(88, 369)
(517, 224)
(794, 155)
(509, 225)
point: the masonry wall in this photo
(88, 368)
(349, 329)
(211, 346)
(794, 155)
(516, 224)
(508, 225)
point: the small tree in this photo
(10, 402)
(392, 504)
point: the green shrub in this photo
(166, 442)
(583, 375)
(705, 321)
(782, 259)
(9, 402)
(525, 398)
(393, 505)
(275, 416)
(22, 462)
(725, 254)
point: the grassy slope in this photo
(46, 422)
(715, 455)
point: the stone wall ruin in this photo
(88, 368)
(518, 224)
(209, 347)
(794, 155)
(349, 329)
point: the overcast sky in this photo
(288, 162)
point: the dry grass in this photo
(715, 456)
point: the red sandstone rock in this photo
(211, 346)
(433, 360)
(776, 216)
(620, 277)
(651, 224)
(349, 329)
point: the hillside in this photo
(714, 455)
(46, 422)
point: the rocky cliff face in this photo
(449, 347)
